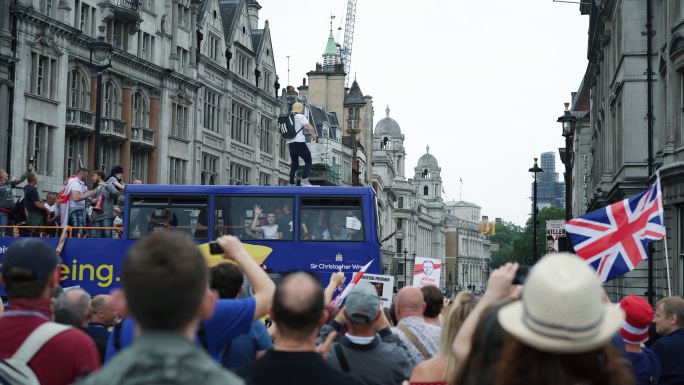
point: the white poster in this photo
(554, 230)
(384, 284)
(426, 271)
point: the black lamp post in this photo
(568, 123)
(534, 170)
(405, 267)
(100, 60)
(464, 271)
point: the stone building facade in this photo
(616, 113)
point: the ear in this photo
(208, 304)
(380, 312)
(120, 304)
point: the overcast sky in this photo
(481, 82)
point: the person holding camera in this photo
(7, 197)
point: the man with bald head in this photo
(420, 338)
(103, 317)
(298, 312)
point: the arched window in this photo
(78, 86)
(425, 190)
(385, 140)
(351, 113)
(111, 101)
(426, 174)
(140, 110)
(356, 114)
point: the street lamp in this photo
(568, 123)
(534, 170)
(405, 268)
(100, 60)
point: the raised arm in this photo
(263, 286)
(255, 221)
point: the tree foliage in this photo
(518, 248)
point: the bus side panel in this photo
(92, 264)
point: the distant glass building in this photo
(550, 191)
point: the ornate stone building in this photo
(619, 117)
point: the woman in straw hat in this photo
(562, 329)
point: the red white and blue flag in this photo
(614, 239)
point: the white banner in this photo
(426, 271)
(384, 285)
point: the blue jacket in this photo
(231, 318)
(670, 350)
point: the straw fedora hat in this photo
(562, 308)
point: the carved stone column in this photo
(93, 106)
(126, 114)
(153, 160)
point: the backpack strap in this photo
(37, 339)
(293, 115)
(415, 341)
(340, 357)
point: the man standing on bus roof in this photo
(298, 147)
(270, 230)
(75, 210)
(7, 197)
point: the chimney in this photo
(304, 82)
(253, 8)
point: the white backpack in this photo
(15, 370)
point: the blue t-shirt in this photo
(231, 318)
(243, 349)
(645, 365)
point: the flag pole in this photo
(667, 267)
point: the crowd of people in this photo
(80, 207)
(176, 321)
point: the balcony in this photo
(112, 130)
(79, 121)
(127, 11)
(142, 138)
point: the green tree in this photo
(522, 246)
(506, 233)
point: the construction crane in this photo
(346, 48)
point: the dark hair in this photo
(393, 314)
(81, 169)
(67, 316)
(297, 309)
(434, 300)
(164, 280)
(30, 177)
(21, 283)
(603, 366)
(485, 351)
(100, 174)
(226, 278)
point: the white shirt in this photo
(270, 232)
(300, 125)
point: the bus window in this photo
(181, 214)
(255, 218)
(331, 219)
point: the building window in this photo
(183, 57)
(47, 7)
(110, 155)
(179, 127)
(212, 110)
(266, 144)
(239, 124)
(283, 150)
(77, 90)
(43, 76)
(139, 161)
(400, 202)
(214, 49)
(264, 179)
(242, 65)
(177, 168)
(140, 110)
(239, 175)
(183, 16)
(210, 166)
(39, 140)
(116, 34)
(425, 190)
(146, 46)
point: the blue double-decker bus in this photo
(319, 229)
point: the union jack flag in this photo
(613, 240)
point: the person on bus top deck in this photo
(298, 147)
(231, 317)
(337, 232)
(270, 230)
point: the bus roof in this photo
(256, 190)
